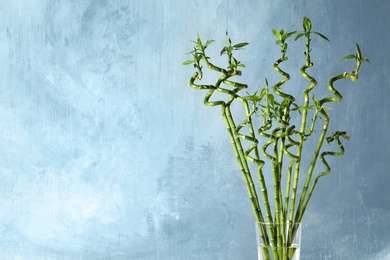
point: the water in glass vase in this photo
(287, 237)
(293, 253)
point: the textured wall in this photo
(105, 153)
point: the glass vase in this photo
(278, 241)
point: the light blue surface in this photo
(105, 153)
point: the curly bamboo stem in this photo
(336, 98)
(303, 126)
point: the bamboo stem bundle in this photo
(282, 145)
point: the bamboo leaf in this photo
(365, 59)
(240, 45)
(277, 34)
(208, 43)
(234, 62)
(344, 134)
(188, 62)
(192, 52)
(271, 99)
(291, 34)
(253, 98)
(329, 139)
(263, 92)
(299, 35)
(199, 41)
(358, 52)
(302, 108)
(284, 103)
(306, 24)
(295, 108)
(223, 51)
(322, 36)
(348, 57)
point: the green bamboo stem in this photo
(233, 133)
(294, 159)
(312, 164)
(284, 120)
(313, 83)
(237, 147)
(336, 137)
(260, 163)
(231, 128)
(276, 179)
(248, 180)
(336, 98)
(278, 240)
(274, 231)
(256, 159)
(241, 152)
(302, 134)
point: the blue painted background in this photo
(105, 153)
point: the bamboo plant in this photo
(275, 139)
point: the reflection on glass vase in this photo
(278, 241)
